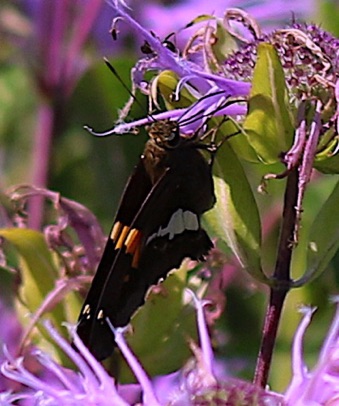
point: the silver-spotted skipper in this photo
(157, 225)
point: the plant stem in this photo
(41, 159)
(282, 277)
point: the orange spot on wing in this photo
(136, 257)
(132, 240)
(122, 237)
(116, 230)
(132, 243)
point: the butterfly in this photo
(156, 227)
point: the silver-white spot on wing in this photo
(100, 315)
(191, 221)
(87, 312)
(178, 223)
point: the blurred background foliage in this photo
(93, 171)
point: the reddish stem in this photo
(282, 276)
(41, 156)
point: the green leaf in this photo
(323, 239)
(327, 161)
(225, 43)
(242, 147)
(235, 217)
(38, 274)
(6, 287)
(328, 165)
(161, 328)
(268, 124)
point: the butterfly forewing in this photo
(156, 227)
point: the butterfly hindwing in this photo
(156, 227)
(168, 227)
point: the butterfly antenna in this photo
(116, 74)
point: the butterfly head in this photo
(165, 134)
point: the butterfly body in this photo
(157, 225)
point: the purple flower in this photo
(212, 91)
(198, 383)
(58, 385)
(207, 106)
(10, 335)
(321, 385)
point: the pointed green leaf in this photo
(323, 238)
(268, 124)
(243, 148)
(38, 274)
(225, 43)
(235, 217)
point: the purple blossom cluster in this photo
(200, 382)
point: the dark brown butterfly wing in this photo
(156, 227)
